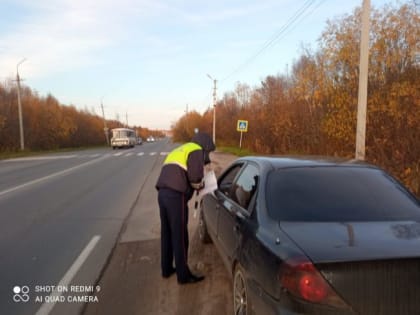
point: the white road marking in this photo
(35, 181)
(40, 158)
(46, 308)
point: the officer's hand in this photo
(201, 187)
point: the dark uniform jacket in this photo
(174, 177)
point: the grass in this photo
(236, 151)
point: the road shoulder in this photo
(131, 282)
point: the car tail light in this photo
(304, 281)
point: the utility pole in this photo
(105, 127)
(126, 120)
(214, 107)
(186, 118)
(363, 82)
(22, 140)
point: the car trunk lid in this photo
(373, 266)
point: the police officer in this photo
(181, 174)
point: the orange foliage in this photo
(50, 125)
(313, 111)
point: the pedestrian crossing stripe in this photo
(84, 156)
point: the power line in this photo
(270, 42)
(276, 37)
(305, 16)
(294, 21)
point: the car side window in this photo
(225, 183)
(246, 186)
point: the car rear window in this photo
(343, 193)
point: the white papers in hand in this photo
(210, 183)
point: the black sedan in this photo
(311, 236)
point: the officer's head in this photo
(204, 141)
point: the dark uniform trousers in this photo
(174, 232)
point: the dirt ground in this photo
(131, 283)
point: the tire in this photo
(202, 229)
(241, 303)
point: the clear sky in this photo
(150, 58)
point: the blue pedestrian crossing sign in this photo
(242, 126)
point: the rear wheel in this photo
(241, 302)
(202, 229)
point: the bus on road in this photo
(123, 138)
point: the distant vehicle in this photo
(150, 139)
(123, 138)
(307, 236)
(139, 140)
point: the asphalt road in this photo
(60, 217)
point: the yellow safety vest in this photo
(179, 156)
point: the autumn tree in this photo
(314, 110)
(47, 123)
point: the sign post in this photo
(241, 126)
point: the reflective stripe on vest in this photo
(179, 156)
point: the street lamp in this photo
(22, 141)
(214, 108)
(105, 127)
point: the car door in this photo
(235, 210)
(212, 203)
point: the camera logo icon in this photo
(21, 294)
